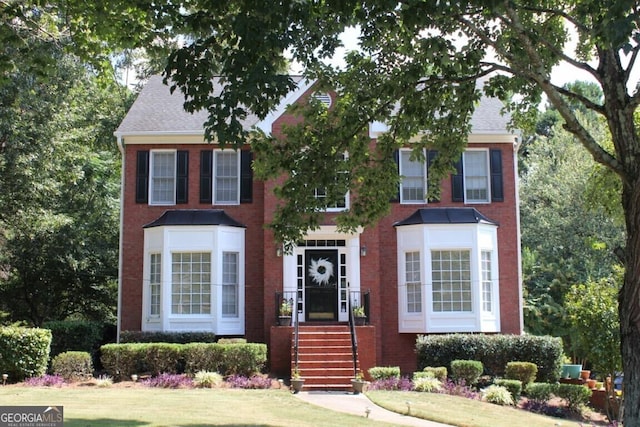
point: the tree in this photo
(416, 70)
(59, 188)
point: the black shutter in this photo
(457, 183)
(396, 159)
(182, 177)
(246, 177)
(206, 176)
(495, 161)
(142, 177)
(431, 156)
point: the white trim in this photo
(487, 176)
(214, 181)
(175, 176)
(424, 178)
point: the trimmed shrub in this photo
(466, 370)
(498, 395)
(73, 365)
(525, 372)
(494, 351)
(243, 359)
(439, 372)
(163, 358)
(75, 335)
(203, 357)
(24, 352)
(428, 384)
(575, 395)
(232, 341)
(514, 387)
(120, 361)
(166, 337)
(540, 392)
(384, 372)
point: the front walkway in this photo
(359, 404)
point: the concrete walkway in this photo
(359, 404)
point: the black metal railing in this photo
(291, 299)
(357, 299)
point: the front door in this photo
(321, 284)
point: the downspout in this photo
(120, 143)
(516, 146)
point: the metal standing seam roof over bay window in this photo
(195, 217)
(445, 216)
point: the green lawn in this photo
(138, 406)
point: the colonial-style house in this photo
(195, 255)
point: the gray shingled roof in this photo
(156, 110)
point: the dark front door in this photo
(321, 284)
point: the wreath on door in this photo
(321, 271)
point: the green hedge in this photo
(468, 371)
(75, 335)
(384, 372)
(73, 365)
(24, 352)
(166, 337)
(494, 351)
(122, 360)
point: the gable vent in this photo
(323, 97)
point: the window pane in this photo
(227, 174)
(451, 283)
(190, 290)
(154, 284)
(413, 282)
(163, 169)
(476, 176)
(487, 283)
(230, 284)
(413, 179)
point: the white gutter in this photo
(120, 143)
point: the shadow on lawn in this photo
(80, 422)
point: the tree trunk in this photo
(629, 305)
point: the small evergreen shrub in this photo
(73, 365)
(439, 372)
(24, 352)
(384, 372)
(540, 392)
(206, 379)
(514, 387)
(498, 395)
(525, 372)
(467, 370)
(428, 384)
(575, 395)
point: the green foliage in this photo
(24, 352)
(169, 337)
(468, 371)
(75, 335)
(514, 387)
(498, 395)
(427, 384)
(494, 351)
(525, 372)
(73, 365)
(594, 323)
(384, 372)
(122, 360)
(540, 392)
(439, 372)
(575, 395)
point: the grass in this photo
(129, 407)
(138, 406)
(459, 411)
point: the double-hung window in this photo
(155, 281)
(414, 181)
(336, 203)
(476, 176)
(487, 282)
(413, 282)
(226, 186)
(230, 284)
(163, 178)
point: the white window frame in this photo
(155, 284)
(406, 153)
(413, 281)
(181, 299)
(230, 285)
(320, 193)
(467, 177)
(453, 282)
(218, 154)
(153, 178)
(486, 273)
